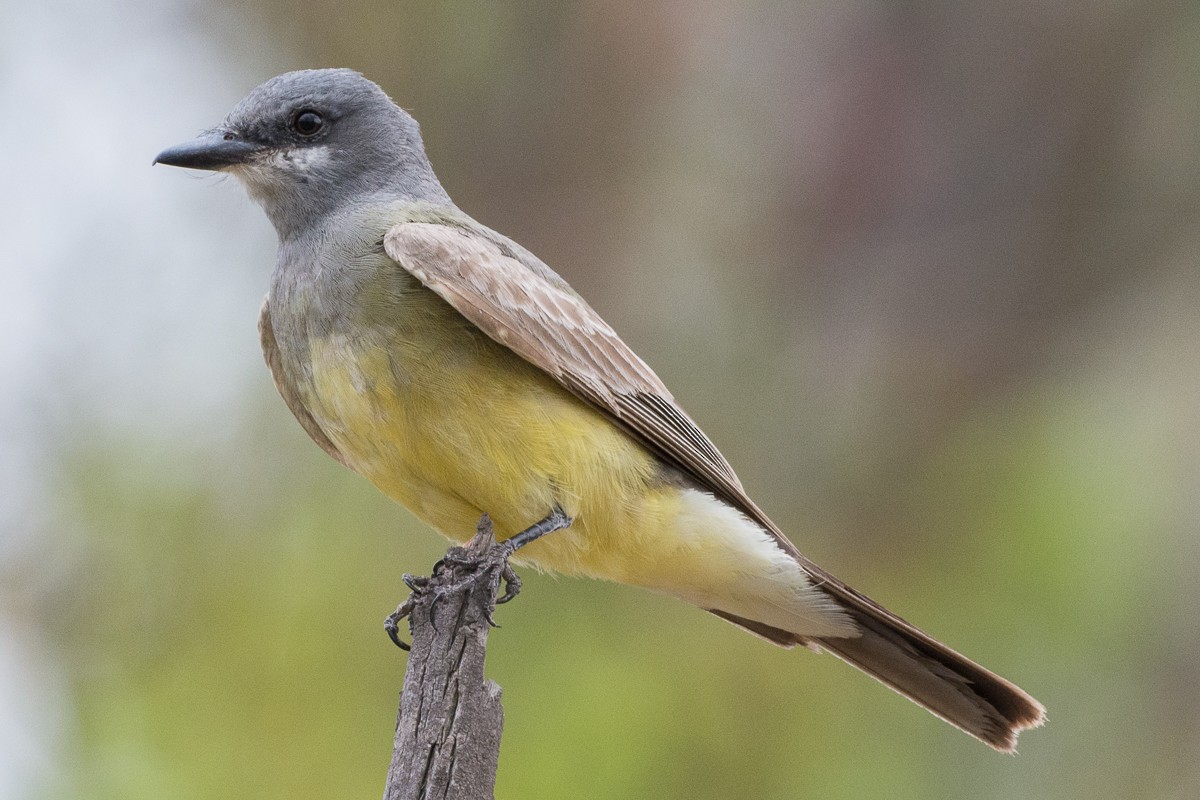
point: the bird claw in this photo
(392, 623)
(481, 559)
(416, 582)
(512, 585)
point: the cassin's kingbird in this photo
(461, 375)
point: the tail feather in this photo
(762, 583)
(951, 686)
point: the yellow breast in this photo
(453, 425)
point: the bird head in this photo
(307, 143)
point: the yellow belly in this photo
(453, 427)
(453, 431)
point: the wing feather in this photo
(522, 304)
(554, 329)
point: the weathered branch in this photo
(447, 741)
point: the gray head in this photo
(309, 143)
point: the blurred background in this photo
(926, 272)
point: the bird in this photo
(462, 376)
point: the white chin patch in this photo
(282, 166)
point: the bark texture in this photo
(447, 742)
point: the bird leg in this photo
(481, 559)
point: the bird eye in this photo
(307, 123)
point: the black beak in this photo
(215, 150)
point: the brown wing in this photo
(520, 303)
(266, 336)
(551, 327)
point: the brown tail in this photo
(925, 671)
(932, 675)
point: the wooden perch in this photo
(447, 742)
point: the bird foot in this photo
(481, 563)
